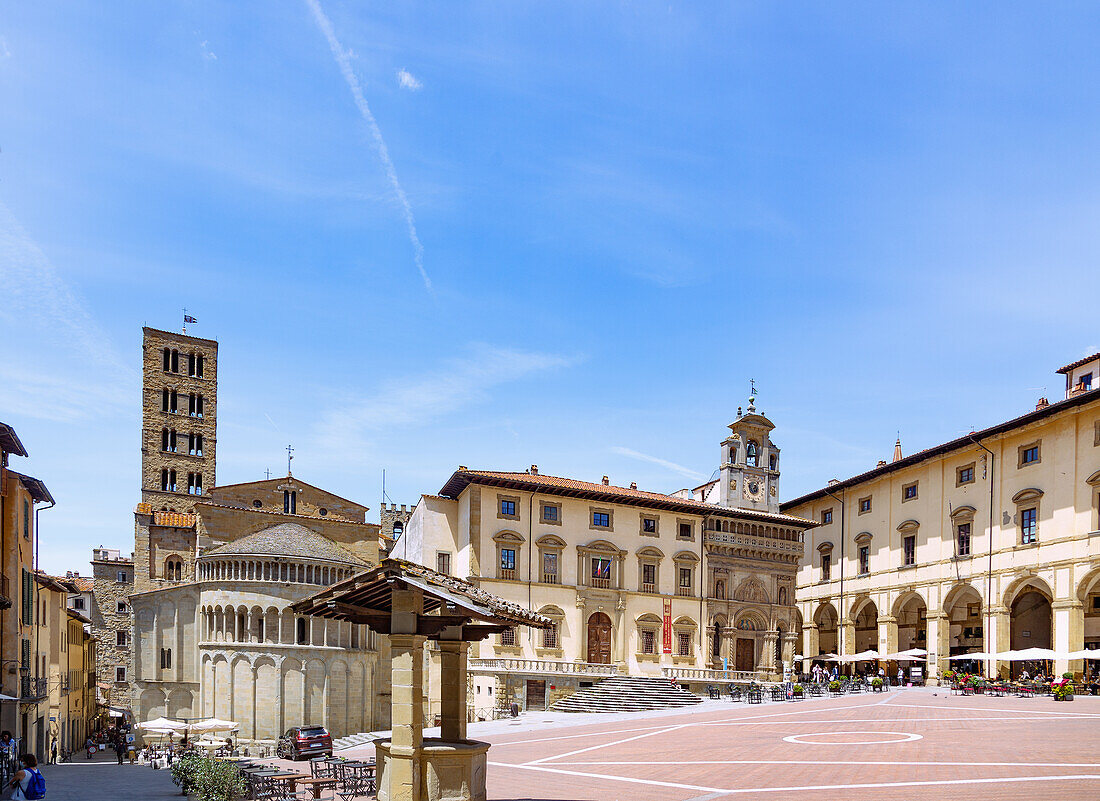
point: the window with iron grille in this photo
(550, 636)
(683, 643)
(508, 637)
(649, 641)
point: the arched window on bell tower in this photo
(750, 454)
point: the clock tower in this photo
(749, 472)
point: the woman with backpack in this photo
(28, 784)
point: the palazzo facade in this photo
(696, 585)
(987, 543)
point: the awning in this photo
(1030, 655)
(975, 655)
(1093, 653)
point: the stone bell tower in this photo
(749, 472)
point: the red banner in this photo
(666, 628)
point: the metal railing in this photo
(31, 687)
(520, 665)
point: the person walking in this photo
(28, 783)
(120, 749)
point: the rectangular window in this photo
(685, 578)
(26, 519)
(121, 607)
(121, 639)
(684, 531)
(550, 513)
(1086, 381)
(826, 566)
(864, 505)
(683, 643)
(167, 360)
(507, 559)
(78, 603)
(194, 483)
(28, 598)
(909, 491)
(1029, 454)
(649, 525)
(827, 517)
(443, 563)
(601, 572)
(601, 519)
(550, 636)
(164, 400)
(1028, 526)
(550, 568)
(965, 475)
(962, 536)
(173, 402)
(508, 508)
(864, 559)
(649, 577)
(175, 361)
(649, 642)
(120, 674)
(191, 364)
(290, 502)
(121, 576)
(909, 550)
(194, 444)
(508, 637)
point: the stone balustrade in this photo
(520, 665)
(707, 674)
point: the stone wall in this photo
(309, 500)
(107, 592)
(154, 420)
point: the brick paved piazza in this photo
(910, 744)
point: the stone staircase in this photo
(352, 740)
(627, 694)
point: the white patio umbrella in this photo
(1029, 655)
(1086, 654)
(975, 655)
(212, 725)
(162, 724)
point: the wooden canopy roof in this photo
(448, 602)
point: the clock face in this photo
(754, 489)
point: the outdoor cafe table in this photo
(316, 784)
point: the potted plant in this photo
(876, 684)
(834, 687)
(796, 691)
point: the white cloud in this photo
(406, 80)
(4, 52)
(343, 60)
(207, 53)
(644, 457)
(419, 399)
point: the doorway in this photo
(536, 694)
(599, 639)
(745, 655)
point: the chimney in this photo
(634, 485)
(1042, 404)
(833, 481)
(534, 470)
(462, 467)
(881, 463)
(605, 481)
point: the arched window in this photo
(773, 461)
(301, 632)
(173, 568)
(750, 454)
(242, 633)
(398, 529)
(716, 646)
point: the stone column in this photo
(767, 659)
(1068, 634)
(811, 644)
(846, 637)
(998, 629)
(887, 635)
(452, 685)
(938, 643)
(402, 779)
(789, 643)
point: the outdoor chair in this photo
(755, 696)
(322, 768)
(815, 690)
(778, 694)
(735, 693)
(354, 780)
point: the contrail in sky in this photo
(344, 62)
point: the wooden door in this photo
(536, 694)
(599, 639)
(745, 658)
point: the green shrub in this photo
(206, 778)
(1067, 675)
(834, 685)
(876, 682)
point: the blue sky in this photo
(885, 215)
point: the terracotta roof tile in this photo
(1073, 365)
(173, 519)
(610, 493)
